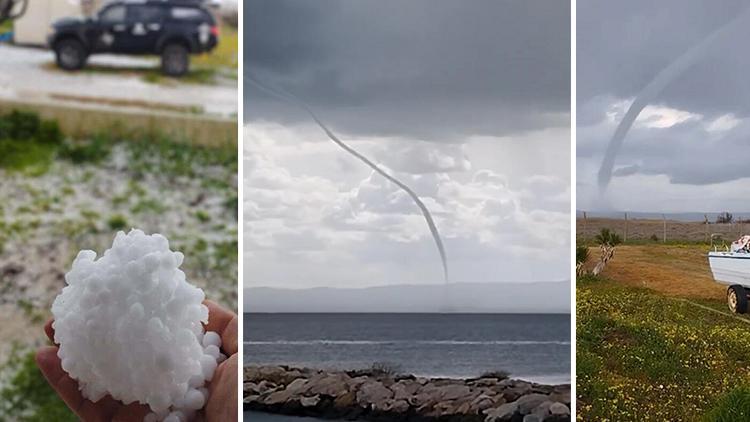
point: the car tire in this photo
(175, 60)
(737, 299)
(70, 54)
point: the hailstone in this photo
(128, 324)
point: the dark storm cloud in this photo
(421, 68)
(622, 45)
(686, 153)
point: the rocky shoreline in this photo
(380, 396)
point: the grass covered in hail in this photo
(72, 194)
(644, 356)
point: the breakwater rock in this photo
(379, 396)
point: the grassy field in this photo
(655, 341)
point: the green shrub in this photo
(497, 374)
(27, 143)
(50, 133)
(23, 124)
(582, 254)
(5, 128)
(608, 237)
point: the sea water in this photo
(534, 347)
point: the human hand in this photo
(106, 409)
(222, 390)
(222, 399)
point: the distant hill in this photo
(541, 297)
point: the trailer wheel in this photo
(737, 299)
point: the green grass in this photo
(734, 406)
(196, 75)
(25, 395)
(117, 222)
(26, 156)
(202, 216)
(29, 144)
(642, 356)
(92, 150)
(225, 54)
(150, 206)
(153, 153)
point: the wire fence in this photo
(663, 229)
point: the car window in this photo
(144, 14)
(187, 13)
(114, 14)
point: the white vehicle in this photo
(732, 267)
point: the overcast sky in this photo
(466, 102)
(690, 148)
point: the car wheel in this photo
(70, 54)
(737, 299)
(175, 60)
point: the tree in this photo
(607, 241)
(724, 218)
(607, 237)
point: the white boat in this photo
(732, 268)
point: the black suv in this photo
(173, 29)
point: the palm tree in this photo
(607, 241)
(607, 237)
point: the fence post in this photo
(626, 227)
(584, 227)
(705, 221)
(664, 219)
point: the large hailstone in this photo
(129, 325)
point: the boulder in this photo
(333, 385)
(309, 401)
(481, 403)
(373, 394)
(543, 409)
(454, 392)
(365, 396)
(345, 401)
(528, 403)
(503, 413)
(559, 410)
(400, 407)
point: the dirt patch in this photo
(138, 104)
(672, 270)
